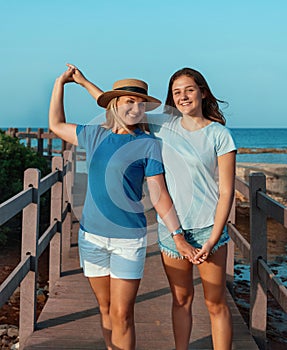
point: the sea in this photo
(261, 138)
(252, 138)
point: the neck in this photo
(121, 130)
(194, 122)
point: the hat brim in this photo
(105, 98)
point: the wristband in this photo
(179, 231)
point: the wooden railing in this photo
(39, 136)
(262, 279)
(57, 235)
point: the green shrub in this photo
(15, 158)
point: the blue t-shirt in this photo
(117, 165)
(191, 166)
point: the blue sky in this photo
(239, 46)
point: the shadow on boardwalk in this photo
(71, 320)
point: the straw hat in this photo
(131, 87)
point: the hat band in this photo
(133, 89)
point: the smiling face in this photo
(187, 96)
(130, 109)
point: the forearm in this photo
(92, 89)
(56, 112)
(166, 211)
(221, 215)
(57, 119)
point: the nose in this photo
(183, 96)
(137, 107)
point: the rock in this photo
(13, 332)
(3, 332)
(41, 297)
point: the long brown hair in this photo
(210, 107)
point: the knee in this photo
(182, 300)
(217, 308)
(121, 316)
(104, 309)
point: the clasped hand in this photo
(194, 255)
(72, 75)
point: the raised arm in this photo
(80, 79)
(57, 119)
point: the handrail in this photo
(272, 208)
(15, 204)
(8, 287)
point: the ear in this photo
(203, 93)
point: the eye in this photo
(141, 105)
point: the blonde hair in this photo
(114, 120)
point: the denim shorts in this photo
(196, 237)
(115, 257)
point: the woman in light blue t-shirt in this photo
(199, 157)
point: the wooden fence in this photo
(40, 135)
(262, 279)
(57, 235)
(60, 182)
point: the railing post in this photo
(56, 215)
(40, 140)
(258, 245)
(30, 233)
(28, 139)
(67, 194)
(230, 251)
(49, 143)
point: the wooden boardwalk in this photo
(71, 320)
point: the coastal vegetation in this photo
(15, 158)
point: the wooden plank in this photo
(15, 204)
(272, 208)
(14, 279)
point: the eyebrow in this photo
(185, 87)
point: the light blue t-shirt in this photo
(117, 165)
(191, 167)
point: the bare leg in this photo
(180, 276)
(213, 276)
(101, 288)
(123, 295)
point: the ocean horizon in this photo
(253, 138)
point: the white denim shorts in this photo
(104, 256)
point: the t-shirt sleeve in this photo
(153, 163)
(156, 121)
(225, 142)
(81, 135)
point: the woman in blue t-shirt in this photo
(199, 156)
(112, 235)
